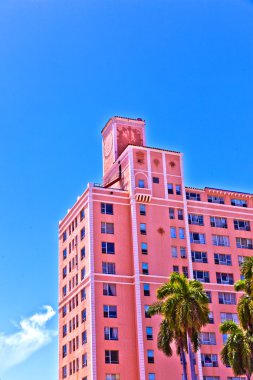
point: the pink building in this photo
(119, 243)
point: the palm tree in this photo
(237, 351)
(183, 305)
(245, 304)
(247, 269)
(165, 338)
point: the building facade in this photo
(120, 242)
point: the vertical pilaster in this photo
(92, 286)
(149, 171)
(139, 311)
(165, 176)
(189, 256)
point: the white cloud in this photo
(32, 335)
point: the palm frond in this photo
(155, 308)
(165, 338)
(239, 285)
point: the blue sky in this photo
(185, 66)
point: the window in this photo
(64, 290)
(111, 356)
(64, 330)
(173, 232)
(112, 377)
(192, 196)
(211, 378)
(155, 180)
(64, 310)
(146, 289)
(84, 360)
(82, 253)
(243, 225)
(144, 248)
(180, 214)
(108, 248)
(241, 260)
(64, 272)
(150, 354)
(64, 236)
(109, 289)
(185, 271)
(83, 294)
(141, 183)
(146, 307)
(82, 233)
(209, 360)
(83, 315)
(225, 278)
(197, 238)
(220, 240)
(144, 267)
(176, 268)
(149, 333)
(201, 275)
(181, 233)
(227, 298)
(236, 378)
(208, 338)
(170, 188)
(209, 296)
(83, 273)
(183, 254)
(64, 372)
(210, 317)
(143, 229)
(84, 337)
(218, 222)
(142, 209)
(229, 317)
(212, 199)
(178, 189)
(82, 214)
(244, 243)
(171, 213)
(111, 333)
(239, 202)
(64, 350)
(107, 228)
(64, 254)
(107, 208)
(174, 252)
(196, 219)
(108, 268)
(199, 257)
(110, 311)
(222, 259)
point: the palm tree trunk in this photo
(192, 366)
(184, 364)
